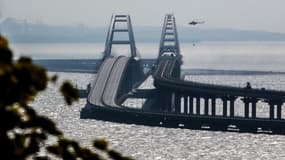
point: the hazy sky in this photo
(265, 15)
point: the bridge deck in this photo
(112, 86)
(163, 77)
(109, 78)
(100, 82)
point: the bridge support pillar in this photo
(272, 104)
(172, 102)
(232, 106)
(213, 103)
(198, 105)
(253, 109)
(279, 111)
(271, 110)
(185, 97)
(177, 102)
(225, 107)
(206, 106)
(253, 102)
(190, 105)
(246, 107)
(253, 114)
(166, 101)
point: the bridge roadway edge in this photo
(110, 93)
(173, 120)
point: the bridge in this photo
(174, 102)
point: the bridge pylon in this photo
(120, 23)
(169, 47)
(169, 42)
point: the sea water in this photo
(157, 143)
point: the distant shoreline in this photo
(27, 32)
(227, 72)
(92, 65)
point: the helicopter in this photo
(196, 22)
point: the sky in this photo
(262, 15)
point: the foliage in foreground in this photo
(23, 132)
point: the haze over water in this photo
(261, 56)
